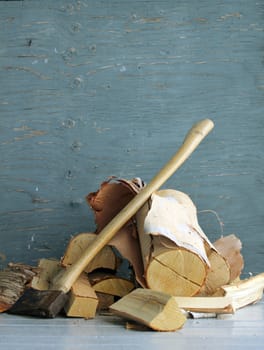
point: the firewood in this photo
(172, 244)
(82, 298)
(83, 301)
(218, 274)
(230, 248)
(217, 305)
(178, 257)
(226, 264)
(106, 258)
(244, 292)
(175, 270)
(156, 310)
(13, 282)
(48, 268)
(105, 300)
(110, 284)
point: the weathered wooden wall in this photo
(97, 88)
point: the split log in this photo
(83, 301)
(173, 250)
(105, 300)
(48, 268)
(156, 310)
(106, 258)
(230, 248)
(178, 257)
(218, 274)
(14, 279)
(175, 270)
(82, 298)
(226, 264)
(110, 284)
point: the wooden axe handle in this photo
(64, 280)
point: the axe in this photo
(49, 303)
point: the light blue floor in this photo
(243, 330)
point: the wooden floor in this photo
(244, 330)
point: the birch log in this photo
(174, 247)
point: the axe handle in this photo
(64, 280)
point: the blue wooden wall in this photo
(91, 89)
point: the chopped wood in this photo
(13, 282)
(218, 274)
(82, 297)
(154, 309)
(244, 292)
(48, 268)
(175, 271)
(230, 248)
(217, 305)
(106, 258)
(105, 300)
(110, 284)
(172, 215)
(172, 244)
(83, 301)
(177, 255)
(226, 264)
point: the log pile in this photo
(175, 267)
(13, 281)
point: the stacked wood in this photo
(82, 300)
(99, 285)
(176, 265)
(13, 282)
(175, 254)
